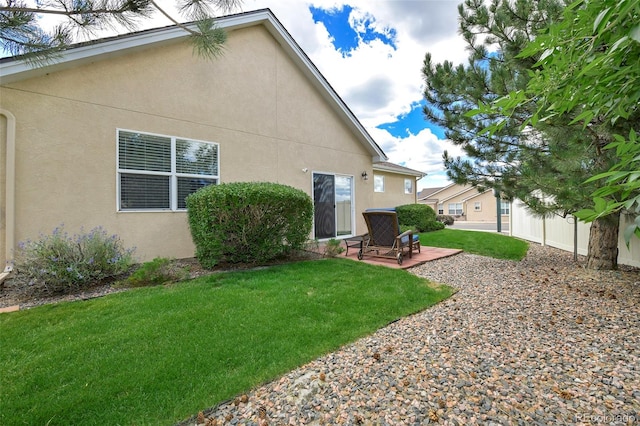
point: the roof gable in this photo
(15, 69)
(396, 168)
(458, 194)
(439, 190)
(426, 193)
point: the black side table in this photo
(356, 241)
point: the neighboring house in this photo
(464, 202)
(394, 185)
(118, 131)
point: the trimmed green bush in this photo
(418, 216)
(249, 222)
(59, 263)
(432, 225)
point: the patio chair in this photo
(385, 239)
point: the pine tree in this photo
(22, 34)
(545, 165)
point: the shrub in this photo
(58, 263)
(333, 248)
(446, 219)
(248, 222)
(158, 271)
(433, 225)
(419, 217)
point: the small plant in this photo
(333, 248)
(446, 219)
(58, 263)
(311, 245)
(158, 271)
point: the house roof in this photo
(458, 194)
(451, 185)
(472, 196)
(396, 168)
(14, 69)
(426, 192)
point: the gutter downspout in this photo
(10, 194)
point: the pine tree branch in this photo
(168, 16)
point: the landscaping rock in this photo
(541, 341)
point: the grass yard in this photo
(158, 355)
(476, 242)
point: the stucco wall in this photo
(488, 208)
(393, 194)
(269, 121)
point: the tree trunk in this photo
(603, 243)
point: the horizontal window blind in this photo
(196, 158)
(188, 186)
(137, 151)
(158, 172)
(144, 192)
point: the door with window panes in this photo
(333, 205)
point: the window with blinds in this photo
(455, 208)
(158, 172)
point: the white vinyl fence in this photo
(562, 233)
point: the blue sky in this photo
(371, 52)
(346, 38)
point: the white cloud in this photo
(376, 81)
(422, 151)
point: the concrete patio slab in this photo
(427, 254)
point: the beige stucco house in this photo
(394, 185)
(118, 131)
(464, 202)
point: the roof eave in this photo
(20, 69)
(404, 171)
(16, 70)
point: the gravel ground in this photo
(542, 341)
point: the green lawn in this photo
(476, 242)
(159, 355)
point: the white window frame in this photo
(378, 180)
(173, 174)
(408, 186)
(477, 206)
(456, 211)
(440, 208)
(505, 208)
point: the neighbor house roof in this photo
(426, 192)
(396, 168)
(15, 69)
(472, 196)
(451, 185)
(457, 194)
